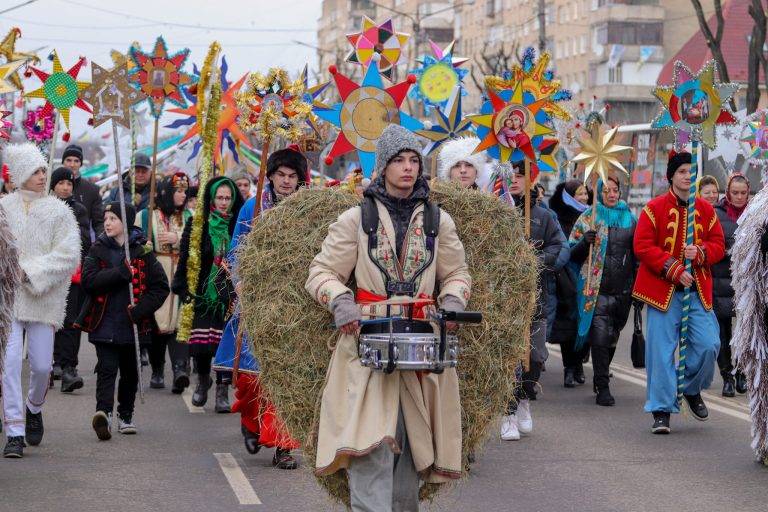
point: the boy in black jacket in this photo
(109, 316)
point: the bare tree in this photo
(494, 60)
(713, 40)
(756, 56)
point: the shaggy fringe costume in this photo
(9, 280)
(749, 343)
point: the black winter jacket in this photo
(722, 291)
(83, 222)
(143, 192)
(106, 315)
(87, 194)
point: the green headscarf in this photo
(218, 231)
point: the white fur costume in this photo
(9, 281)
(459, 150)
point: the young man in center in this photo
(660, 245)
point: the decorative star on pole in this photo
(110, 95)
(437, 77)
(450, 124)
(366, 109)
(311, 95)
(381, 40)
(754, 136)
(8, 50)
(160, 76)
(599, 153)
(7, 74)
(60, 89)
(694, 103)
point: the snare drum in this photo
(412, 344)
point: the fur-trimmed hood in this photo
(459, 150)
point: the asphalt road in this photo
(580, 457)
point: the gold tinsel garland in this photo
(205, 167)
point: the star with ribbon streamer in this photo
(450, 124)
(437, 77)
(111, 96)
(599, 153)
(366, 109)
(381, 40)
(60, 90)
(694, 105)
(159, 76)
(227, 128)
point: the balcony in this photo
(619, 12)
(631, 54)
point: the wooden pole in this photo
(527, 166)
(592, 216)
(152, 180)
(121, 198)
(51, 153)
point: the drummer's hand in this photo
(350, 328)
(451, 327)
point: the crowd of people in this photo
(121, 271)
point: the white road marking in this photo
(237, 480)
(187, 397)
(634, 376)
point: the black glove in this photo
(126, 272)
(590, 236)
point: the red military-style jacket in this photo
(660, 243)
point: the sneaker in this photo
(70, 380)
(284, 460)
(524, 418)
(102, 425)
(660, 423)
(34, 428)
(14, 448)
(125, 424)
(697, 406)
(509, 430)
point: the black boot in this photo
(180, 378)
(70, 380)
(222, 398)
(284, 460)
(741, 383)
(200, 396)
(251, 440)
(604, 397)
(578, 375)
(568, 378)
(729, 389)
(57, 371)
(157, 381)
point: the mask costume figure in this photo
(168, 220)
(389, 430)
(659, 244)
(259, 423)
(48, 244)
(214, 294)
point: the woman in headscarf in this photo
(604, 305)
(708, 189)
(168, 220)
(568, 202)
(214, 294)
(728, 211)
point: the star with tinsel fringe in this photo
(110, 95)
(381, 40)
(160, 76)
(5, 125)
(60, 90)
(694, 104)
(227, 129)
(599, 153)
(450, 124)
(437, 77)
(366, 109)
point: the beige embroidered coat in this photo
(168, 256)
(359, 406)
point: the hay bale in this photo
(292, 332)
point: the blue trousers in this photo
(662, 338)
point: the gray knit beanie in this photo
(394, 140)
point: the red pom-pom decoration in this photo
(411, 79)
(27, 73)
(90, 122)
(328, 160)
(332, 69)
(65, 137)
(607, 106)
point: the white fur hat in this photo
(23, 161)
(459, 150)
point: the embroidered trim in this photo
(649, 213)
(320, 287)
(658, 305)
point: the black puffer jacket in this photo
(722, 290)
(83, 222)
(87, 194)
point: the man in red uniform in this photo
(660, 246)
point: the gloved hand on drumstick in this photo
(451, 303)
(346, 314)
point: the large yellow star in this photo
(8, 50)
(7, 74)
(599, 153)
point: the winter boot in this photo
(578, 375)
(157, 381)
(251, 440)
(569, 380)
(180, 378)
(741, 383)
(222, 398)
(604, 397)
(57, 371)
(70, 380)
(34, 428)
(200, 396)
(729, 383)
(284, 460)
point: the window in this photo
(614, 75)
(560, 14)
(575, 6)
(632, 33)
(583, 44)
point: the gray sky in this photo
(83, 27)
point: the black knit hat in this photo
(60, 174)
(73, 150)
(290, 158)
(130, 211)
(674, 163)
